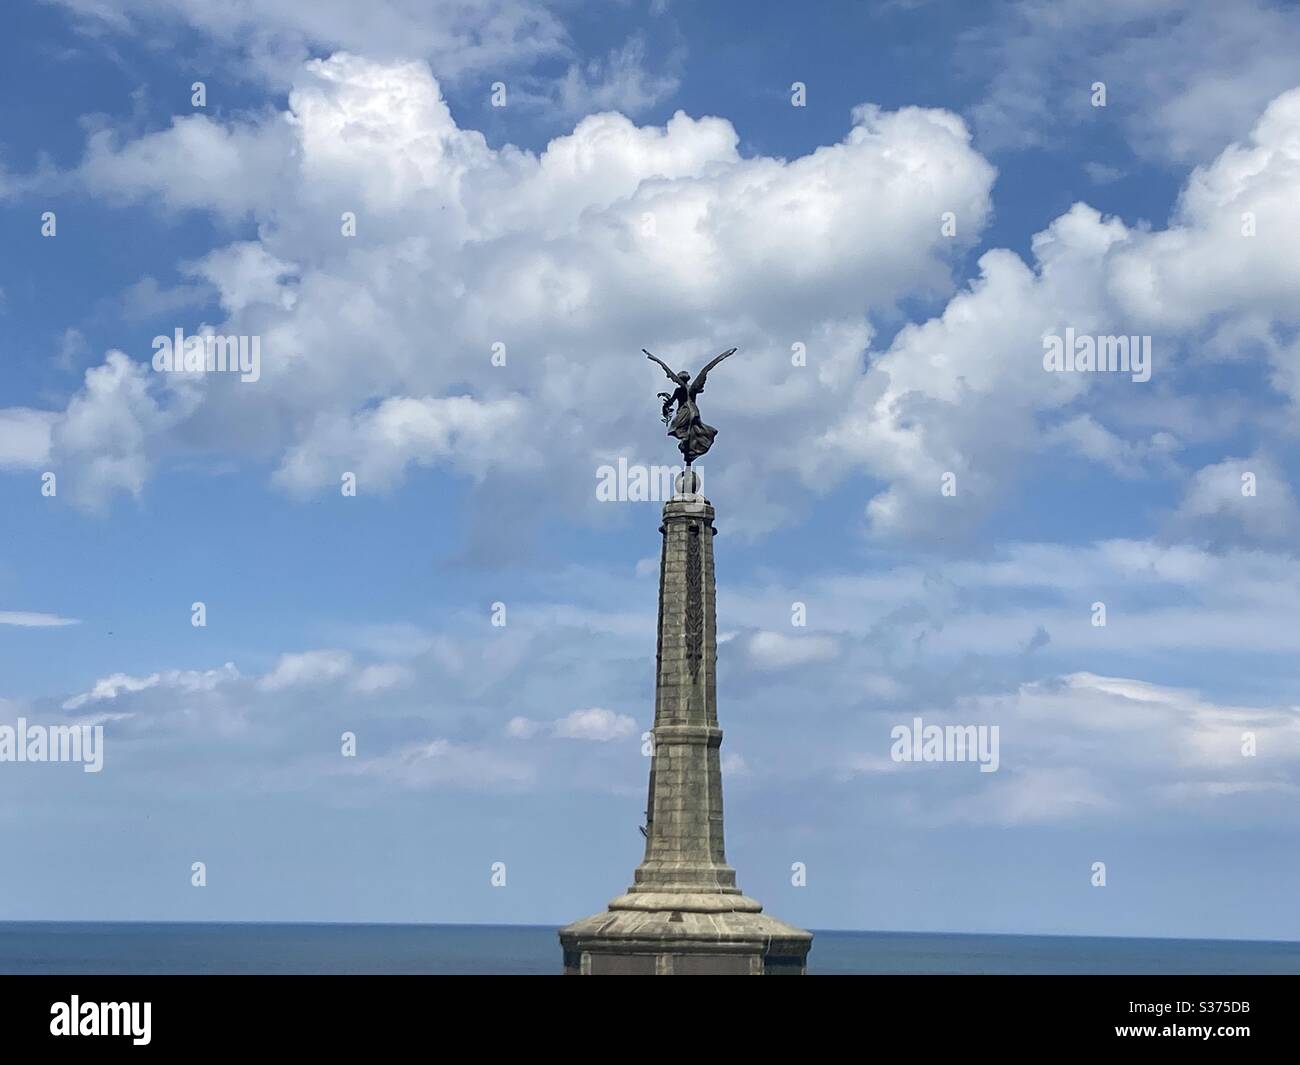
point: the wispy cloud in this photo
(32, 620)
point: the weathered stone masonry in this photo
(684, 913)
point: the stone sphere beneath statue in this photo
(688, 482)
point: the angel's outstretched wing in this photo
(667, 369)
(697, 386)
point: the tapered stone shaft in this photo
(684, 840)
(684, 913)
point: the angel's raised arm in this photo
(667, 369)
(697, 385)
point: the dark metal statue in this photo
(694, 437)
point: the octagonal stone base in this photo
(684, 942)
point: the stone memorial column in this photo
(684, 913)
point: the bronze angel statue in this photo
(694, 437)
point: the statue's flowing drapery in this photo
(695, 437)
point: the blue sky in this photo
(649, 183)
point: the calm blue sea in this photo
(110, 948)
